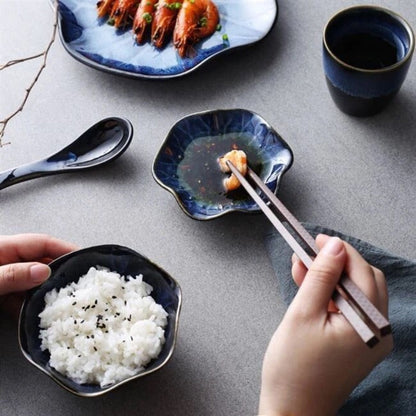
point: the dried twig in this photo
(18, 61)
(44, 54)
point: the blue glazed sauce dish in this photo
(367, 51)
(187, 162)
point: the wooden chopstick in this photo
(347, 285)
(347, 296)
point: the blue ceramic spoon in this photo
(101, 143)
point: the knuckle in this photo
(322, 275)
(8, 274)
(300, 315)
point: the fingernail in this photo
(39, 273)
(295, 258)
(333, 246)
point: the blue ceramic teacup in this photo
(367, 52)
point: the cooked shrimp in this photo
(143, 19)
(239, 159)
(104, 7)
(164, 21)
(196, 20)
(122, 12)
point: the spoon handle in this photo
(25, 173)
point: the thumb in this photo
(18, 277)
(320, 280)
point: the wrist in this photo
(283, 403)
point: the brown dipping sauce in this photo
(200, 174)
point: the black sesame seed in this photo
(95, 349)
(96, 301)
(114, 297)
(74, 303)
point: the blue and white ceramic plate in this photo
(99, 45)
(187, 162)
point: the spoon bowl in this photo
(101, 143)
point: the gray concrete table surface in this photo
(354, 175)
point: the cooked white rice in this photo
(103, 328)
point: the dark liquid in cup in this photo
(366, 51)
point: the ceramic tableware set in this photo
(367, 51)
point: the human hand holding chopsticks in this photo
(315, 358)
(363, 316)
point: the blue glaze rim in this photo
(70, 31)
(70, 267)
(278, 156)
(395, 15)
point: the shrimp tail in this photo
(140, 32)
(164, 21)
(104, 7)
(143, 18)
(197, 19)
(161, 33)
(122, 12)
(183, 43)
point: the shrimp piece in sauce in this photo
(142, 22)
(239, 159)
(122, 12)
(164, 21)
(197, 19)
